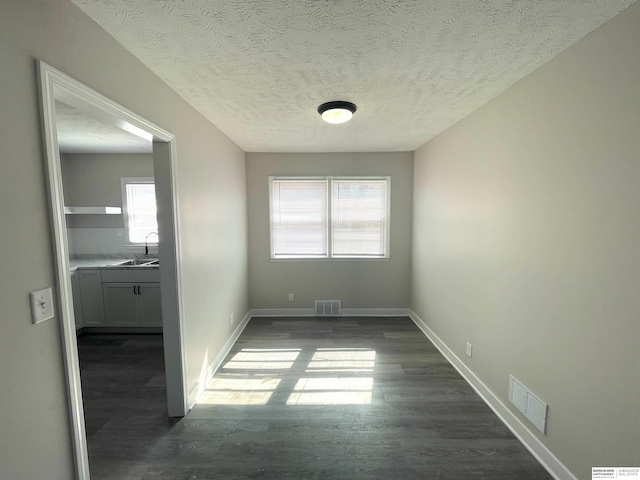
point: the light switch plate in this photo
(41, 305)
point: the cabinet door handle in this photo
(139, 290)
(134, 290)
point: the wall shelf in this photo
(92, 210)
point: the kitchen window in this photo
(139, 210)
(329, 217)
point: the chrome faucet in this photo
(146, 244)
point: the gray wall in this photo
(526, 242)
(93, 180)
(35, 436)
(358, 283)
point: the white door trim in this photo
(53, 85)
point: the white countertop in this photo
(102, 261)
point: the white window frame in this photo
(330, 213)
(124, 181)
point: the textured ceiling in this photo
(258, 69)
(79, 132)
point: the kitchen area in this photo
(110, 214)
(115, 279)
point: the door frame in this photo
(55, 85)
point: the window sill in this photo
(329, 259)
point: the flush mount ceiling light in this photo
(337, 112)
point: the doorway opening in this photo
(56, 88)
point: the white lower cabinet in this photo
(77, 299)
(132, 304)
(91, 298)
(150, 308)
(120, 304)
(116, 297)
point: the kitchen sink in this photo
(139, 262)
(146, 262)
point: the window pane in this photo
(141, 211)
(359, 217)
(299, 217)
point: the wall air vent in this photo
(328, 308)
(529, 404)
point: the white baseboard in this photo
(213, 367)
(281, 312)
(375, 312)
(546, 458)
(346, 312)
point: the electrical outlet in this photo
(291, 297)
(469, 349)
(232, 319)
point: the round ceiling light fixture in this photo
(337, 112)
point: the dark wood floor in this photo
(297, 398)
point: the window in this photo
(329, 217)
(139, 209)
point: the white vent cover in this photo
(528, 403)
(328, 308)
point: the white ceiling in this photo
(79, 132)
(258, 69)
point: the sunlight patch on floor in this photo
(329, 398)
(345, 388)
(255, 359)
(239, 391)
(242, 384)
(341, 383)
(343, 360)
(226, 397)
(332, 391)
(332, 376)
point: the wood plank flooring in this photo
(297, 398)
